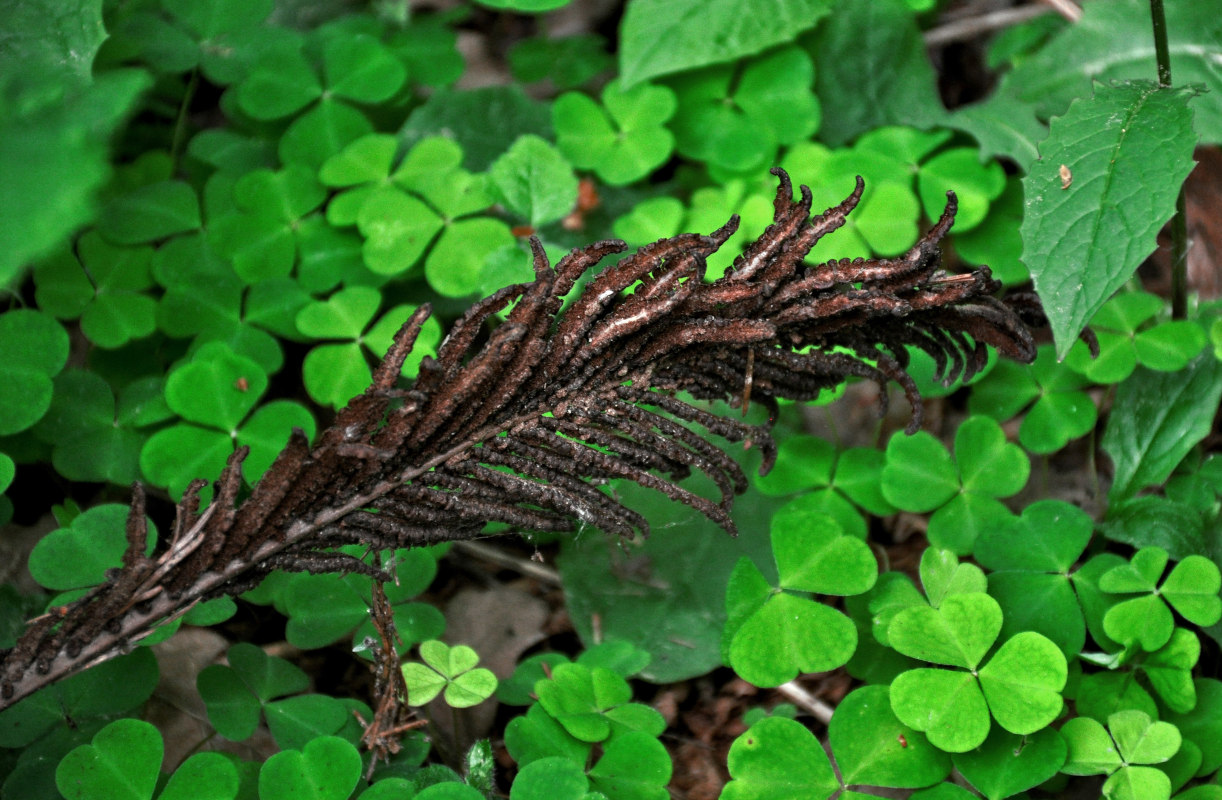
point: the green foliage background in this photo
(215, 215)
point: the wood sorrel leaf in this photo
(1091, 750)
(1048, 536)
(819, 557)
(1023, 681)
(958, 634)
(1142, 740)
(946, 704)
(1007, 764)
(120, 764)
(873, 747)
(778, 759)
(1192, 589)
(788, 635)
(327, 768)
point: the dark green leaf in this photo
(1157, 418)
(872, 50)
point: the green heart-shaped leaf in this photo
(988, 464)
(1137, 783)
(397, 229)
(365, 160)
(1142, 740)
(1170, 670)
(1143, 620)
(873, 747)
(326, 769)
(778, 759)
(633, 764)
(919, 475)
(788, 635)
(958, 634)
(121, 764)
(1091, 749)
(203, 776)
(943, 575)
(1141, 574)
(1192, 589)
(1007, 764)
(1023, 681)
(344, 315)
(79, 555)
(946, 704)
(218, 388)
(817, 556)
(1048, 537)
(449, 661)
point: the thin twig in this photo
(1067, 9)
(807, 701)
(970, 27)
(497, 556)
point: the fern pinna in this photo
(521, 425)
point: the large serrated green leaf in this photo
(1105, 184)
(661, 37)
(1112, 41)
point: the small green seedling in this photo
(449, 669)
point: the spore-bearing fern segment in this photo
(522, 427)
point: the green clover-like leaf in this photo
(1192, 590)
(623, 140)
(121, 763)
(327, 768)
(778, 759)
(771, 635)
(946, 705)
(36, 349)
(820, 557)
(535, 181)
(957, 634)
(1007, 764)
(873, 747)
(452, 669)
(78, 555)
(580, 697)
(1022, 683)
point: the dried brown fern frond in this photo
(523, 427)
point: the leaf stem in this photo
(1179, 224)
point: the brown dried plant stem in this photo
(522, 423)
